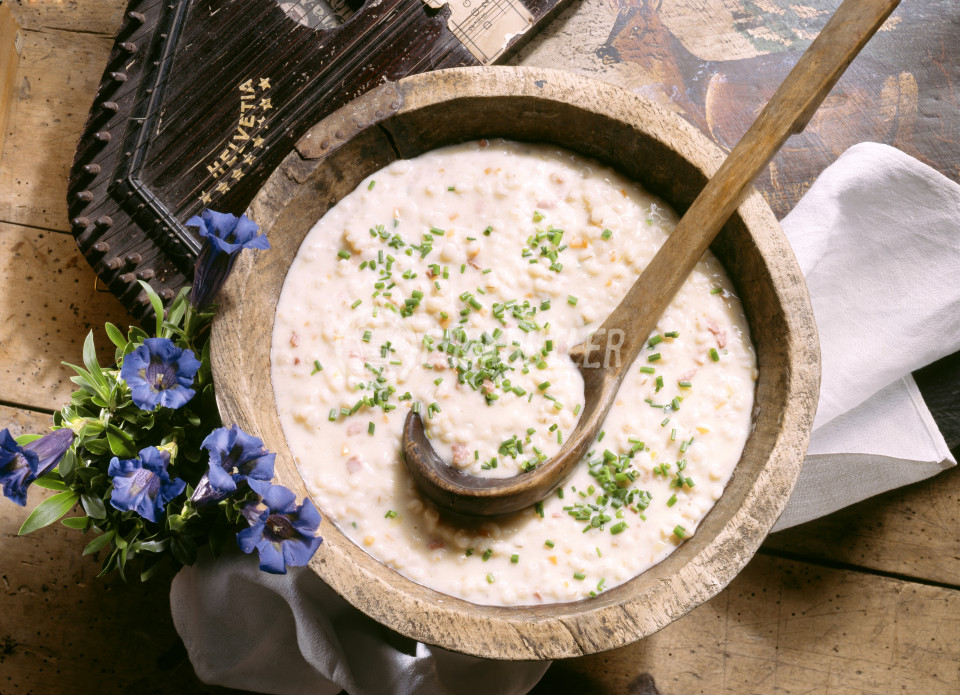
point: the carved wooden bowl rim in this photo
(764, 268)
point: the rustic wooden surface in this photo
(862, 601)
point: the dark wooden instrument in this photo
(201, 99)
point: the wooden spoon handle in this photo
(791, 107)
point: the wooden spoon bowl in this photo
(643, 141)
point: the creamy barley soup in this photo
(454, 284)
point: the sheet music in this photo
(485, 27)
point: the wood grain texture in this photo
(788, 627)
(48, 305)
(58, 76)
(668, 157)
(912, 531)
(99, 17)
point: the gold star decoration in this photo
(237, 174)
(223, 187)
(204, 197)
(248, 159)
(257, 141)
(265, 104)
(264, 83)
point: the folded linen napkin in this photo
(878, 239)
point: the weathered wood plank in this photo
(913, 531)
(789, 627)
(58, 76)
(98, 16)
(48, 306)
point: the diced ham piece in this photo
(688, 375)
(436, 544)
(461, 454)
(719, 334)
(294, 340)
(354, 465)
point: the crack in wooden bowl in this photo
(644, 142)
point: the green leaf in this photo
(93, 506)
(49, 511)
(153, 546)
(184, 549)
(67, 463)
(98, 447)
(121, 443)
(90, 361)
(116, 337)
(50, 483)
(80, 522)
(98, 543)
(152, 565)
(157, 305)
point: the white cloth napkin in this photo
(878, 239)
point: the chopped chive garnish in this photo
(537, 216)
(390, 514)
(317, 367)
(538, 507)
(333, 414)
(714, 355)
(675, 404)
(514, 559)
(647, 370)
(654, 340)
(544, 386)
(468, 552)
(672, 334)
(618, 527)
(601, 435)
(356, 304)
(571, 300)
(684, 384)
(371, 427)
(490, 578)
(716, 290)
(486, 232)
(607, 233)
(659, 383)
(343, 253)
(576, 410)
(654, 357)
(487, 553)
(579, 575)
(366, 336)
(549, 543)
(679, 531)
(372, 184)
(672, 501)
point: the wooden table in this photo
(866, 600)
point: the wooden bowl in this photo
(646, 143)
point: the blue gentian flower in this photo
(226, 236)
(159, 373)
(143, 485)
(283, 533)
(234, 457)
(21, 465)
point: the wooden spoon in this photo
(632, 322)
